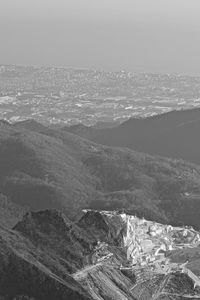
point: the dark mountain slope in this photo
(174, 134)
(62, 170)
(54, 233)
(64, 247)
(23, 272)
(182, 141)
(32, 125)
(37, 171)
(10, 213)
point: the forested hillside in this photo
(56, 169)
(174, 135)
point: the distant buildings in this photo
(71, 96)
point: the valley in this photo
(94, 213)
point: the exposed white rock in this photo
(147, 242)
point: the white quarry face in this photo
(147, 242)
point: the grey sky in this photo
(144, 35)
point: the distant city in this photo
(61, 96)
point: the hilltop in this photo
(173, 134)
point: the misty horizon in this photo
(138, 36)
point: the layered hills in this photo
(174, 134)
(51, 168)
(95, 219)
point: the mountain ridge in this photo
(60, 170)
(153, 135)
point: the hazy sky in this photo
(141, 35)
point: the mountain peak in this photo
(49, 222)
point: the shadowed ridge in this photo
(10, 213)
(53, 232)
(32, 125)
(104, 226)
(25, 271)
(173, 134)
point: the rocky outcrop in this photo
(102, 256)
(107, 227)
(54, 233)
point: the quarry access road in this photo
(82, 273)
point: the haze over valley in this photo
(64, 96)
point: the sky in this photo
(135, 35)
